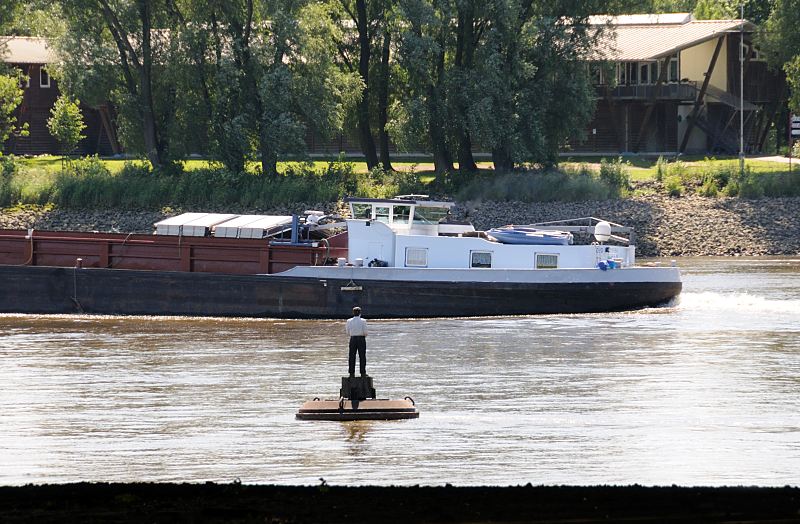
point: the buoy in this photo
(357, 402)
(369, 409)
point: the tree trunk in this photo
(502, 159)
(365, 133)
(437, 115)
(465, 51)
(383, 101)
(153, 149)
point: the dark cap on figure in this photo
(357, 311)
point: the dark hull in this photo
(28, 289)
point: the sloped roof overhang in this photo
(642, 42)
(25, 50)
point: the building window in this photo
(596, 74)
(621, 74)
(633, 69)
(480, 259)
(416, 257)
(546, 261)
(673, 69)
(644, 72)
(44, 78)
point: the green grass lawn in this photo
(39, 180)
(641, 168)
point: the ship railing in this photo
(586, 225)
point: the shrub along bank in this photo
(90, 184)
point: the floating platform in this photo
(369, 409)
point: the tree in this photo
(264, 71)
(10, 99)
(533, 89)
(780, 40)
(121, 51)
(366, 38)
(423, 118)
(66, 123)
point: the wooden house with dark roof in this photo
(31, 56)
(670, 84)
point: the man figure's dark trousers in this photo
(360, 344)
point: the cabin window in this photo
(362, 211)
(401, 214)
(416, 257)
(546, 261)
(429, 215)
(382, 214)
(480, 259)
(44, 78)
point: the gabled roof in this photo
(25, 50)
(650, 37)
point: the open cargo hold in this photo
(242, 256)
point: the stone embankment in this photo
(665, 226)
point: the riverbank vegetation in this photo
(129, 184)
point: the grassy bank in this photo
(101, 183)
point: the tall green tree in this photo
(423, 119)
(367, 31)
(536, 83)
(780, 39)
(120, 50)
(265, 71)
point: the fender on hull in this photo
(129, 292)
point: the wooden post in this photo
(700, 96)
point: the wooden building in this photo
(31, 56)
(670, 84)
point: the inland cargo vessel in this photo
(396, 258)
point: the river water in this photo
(705, 392)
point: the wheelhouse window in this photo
(480, 259)
(416, 257)
(429, 215)
(44, 78)
(546, 261)
(401, 214)
(362, 211)
(382, 214)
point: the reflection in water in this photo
(355, 433)
(702, 392)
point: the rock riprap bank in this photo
(665, 226)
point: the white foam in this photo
(740, 302)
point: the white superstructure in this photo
(406, 233)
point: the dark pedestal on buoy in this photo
(357, 388)
(357, 402)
